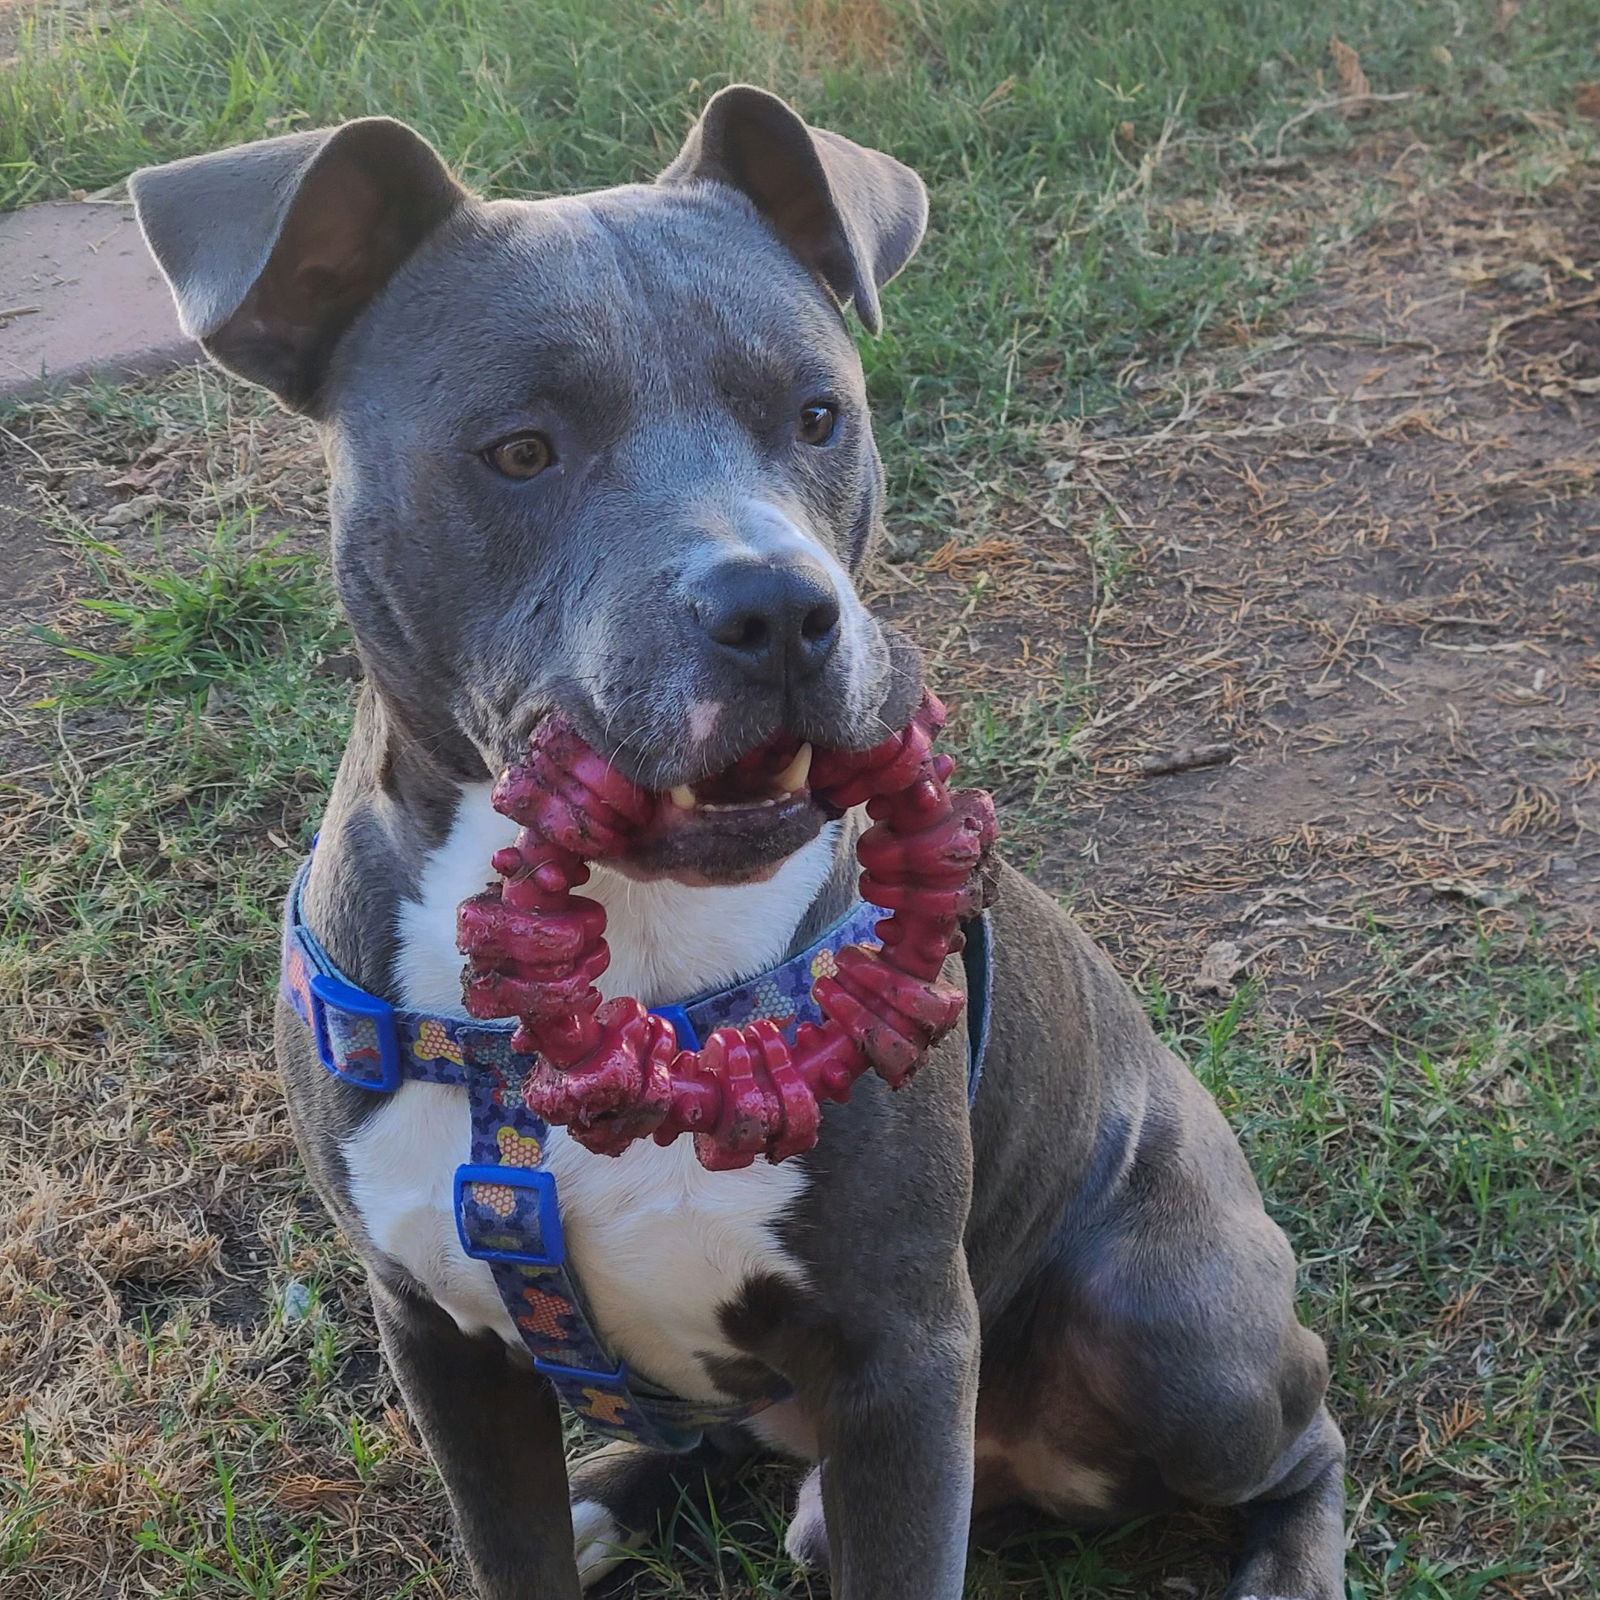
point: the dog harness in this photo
(507, 1210)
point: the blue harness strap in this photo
(507, 1210)
(508, 1216)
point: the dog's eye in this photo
(524, 455)
(817, 422)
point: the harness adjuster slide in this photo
(542, 1185)
(327, 993)
(557, 1370)
(688, 1035)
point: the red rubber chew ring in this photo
(611, 1072)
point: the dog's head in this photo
(607, 454)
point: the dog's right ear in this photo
(273, 249)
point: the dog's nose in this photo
(775, 620)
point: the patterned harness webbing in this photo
(507, 1212)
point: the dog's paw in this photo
(1272, 1575)
(807, 1539)
(598, 1541)
(1248, 1585)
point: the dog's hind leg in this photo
(622, 1493)
(1294, 1531)
(494, 1431)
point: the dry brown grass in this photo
(831, 32)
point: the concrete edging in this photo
(81, 297)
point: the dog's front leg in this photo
(494, 1431)
(897, 1461)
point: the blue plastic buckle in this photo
(553, 1251)
(341, 996)
(688, 1037)
(582, 1375)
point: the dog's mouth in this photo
(772, 774)
(734, 826)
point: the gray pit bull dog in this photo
(611, 454)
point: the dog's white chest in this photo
(658, 1244)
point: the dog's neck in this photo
(407, 838)
(668, 941)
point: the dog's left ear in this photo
(853, 217)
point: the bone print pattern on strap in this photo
(516, 1228)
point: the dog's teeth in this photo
(795, 774)
(745, 805)
(683, 797)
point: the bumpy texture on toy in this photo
(611, 1071)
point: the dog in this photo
(610, 455)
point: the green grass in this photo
(224, 665)
(1039, 128)
(194, 800)
(192, 628)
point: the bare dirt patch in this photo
(1345, 579)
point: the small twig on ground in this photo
(1342, 102)
(1149, 162)
(1186, 760)
(1373, 1026)
(121, 1205)
(1506, 324)
(24, 445)
(1097, 724)
(1380, 341)
(1105, 494)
